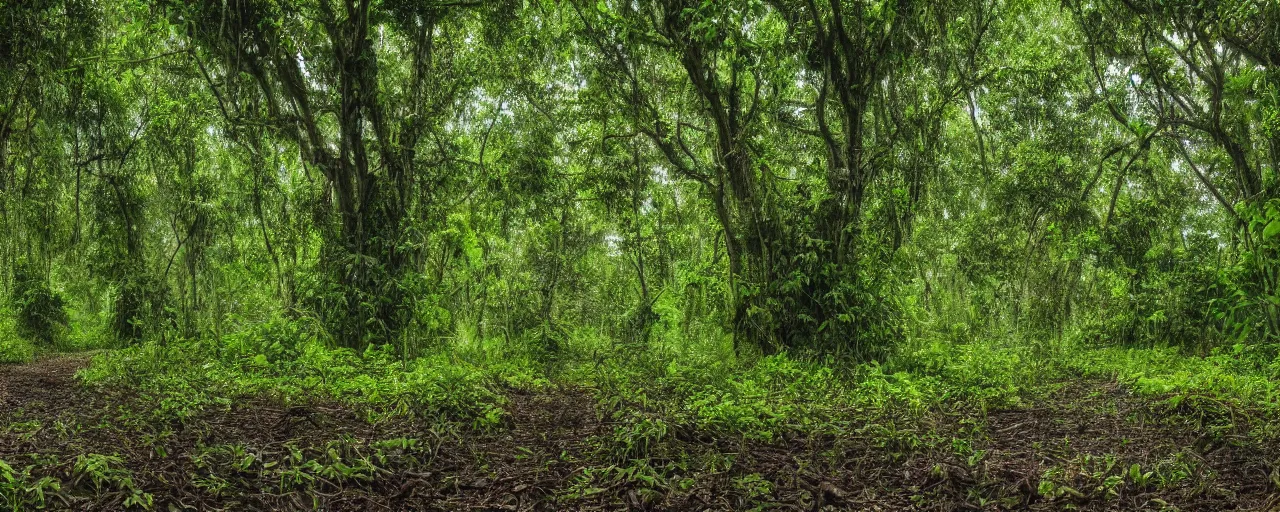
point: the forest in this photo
(931, 255)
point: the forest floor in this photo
(1080, 444)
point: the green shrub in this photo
(13, 348)
(41, 314)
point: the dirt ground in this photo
(1086, 446)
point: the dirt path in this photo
(1075, 448)
(44, 381)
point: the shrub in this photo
(42, 316)
(13, 348)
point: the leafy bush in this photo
(42, 316)
(13, 348)
(277, 338)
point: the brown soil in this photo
(557, 450)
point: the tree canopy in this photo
(775, 175)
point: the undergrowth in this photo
(1226, 391)
(673, 417)
(13, 348)
(85, 333)
(656, 393)
(182, 379)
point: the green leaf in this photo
(1272, 229)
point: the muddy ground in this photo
(1086, 446)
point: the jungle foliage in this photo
(851, 178)
(606, 254)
